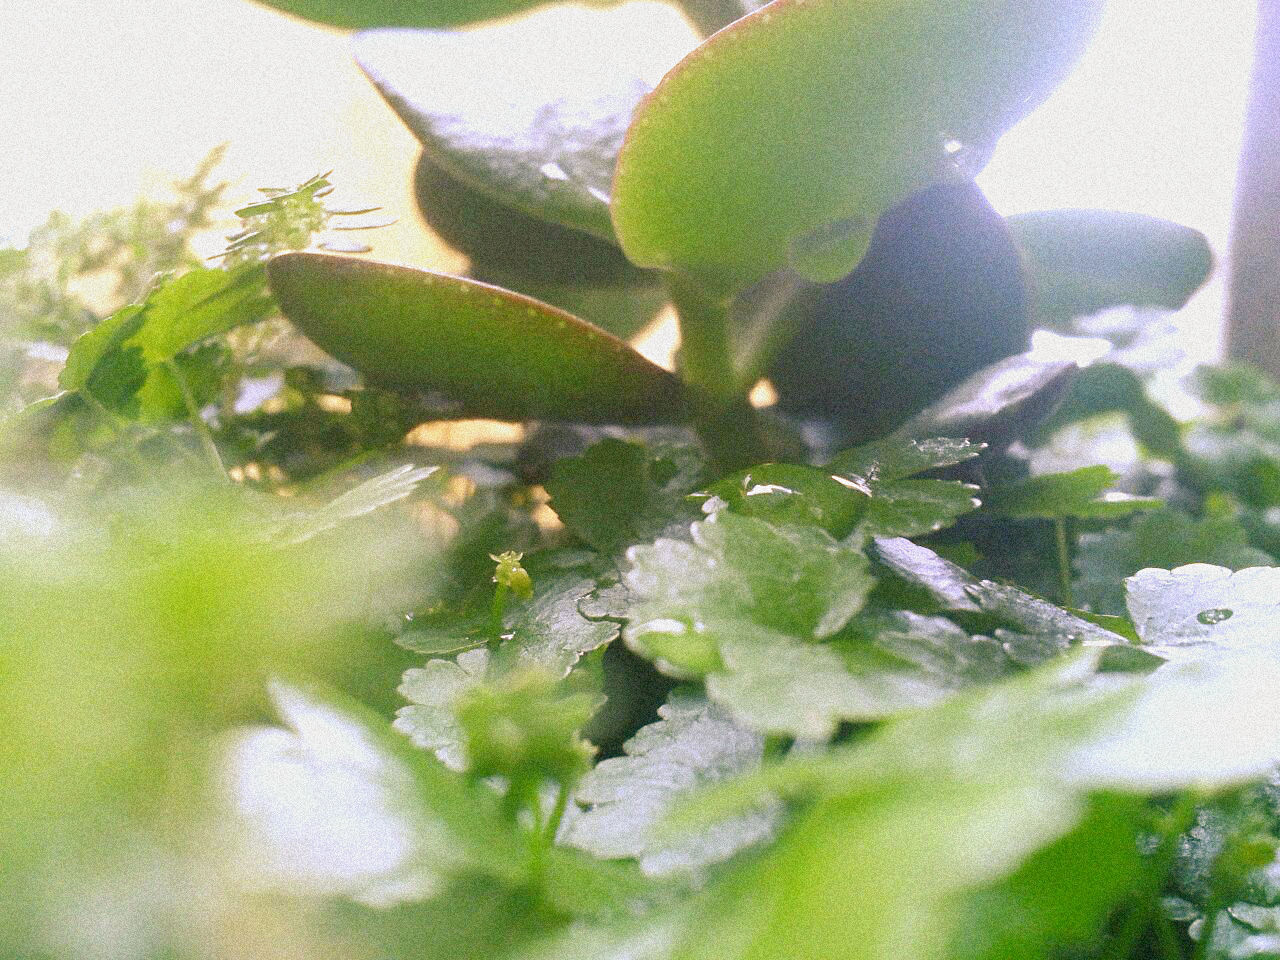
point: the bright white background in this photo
(99, 100)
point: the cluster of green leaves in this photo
(657, 675)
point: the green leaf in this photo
(738, 574)
(871, 102)
(998, 405)
(433, 692)
(547, 633)
(954, 589)
(90, 349)
(618, 493)
(898, 458)
(900, 506)
(387, 488)
(530, 112)
(336, 806)
(362, 14)
(1083, 261)
(885, 665)
(1102, 388)
(512, 248)
(1165, 539)
(1200, 610)
(693, 744)
(197, 305)
(527, 731)
(939, 295)
(784, 493)
(1085, 493)
(496, 352)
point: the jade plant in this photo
(363, 610)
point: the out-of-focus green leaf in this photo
(336, 806)
(530, 112)
(1164, 539)
(999, 404)
(496, 352)
(363, 14)
(504, 242)
(618, 493)
(693, 744)
(1085, 493)
(939, 295)
(395, 484)
(1083, 261)
(526, 731)
(871, 103)
(1102, 388)
(1200, 610)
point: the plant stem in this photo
(496, 611)
(557, 814)
(197, 421)
(1064, 562)
(722, 416)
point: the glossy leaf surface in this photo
(496, 352)
(998, 404)
(1083, 261)
(784, 138)
(531, 112)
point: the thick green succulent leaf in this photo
(497, 353)
(872, 101)
(1083, 261)
(939, 295)
(693, 744)
(999, 404)
(365, 14)
(505, 244)
(530, 112)
(1085, 493)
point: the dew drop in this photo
(1214, 616)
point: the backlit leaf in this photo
(868, 102)
(497, 353)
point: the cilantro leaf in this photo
(1084, 493)
(618, 493)
(694, 743)
(334, 806)
(1165, 538)
(738, 573)
(900, 506)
